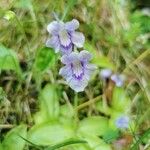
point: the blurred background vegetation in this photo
(34, 98)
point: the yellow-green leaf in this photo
(95, 125)
(50, 133)
(9, 60)
(49, 104)
(13, 141)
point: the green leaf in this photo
(26, 4)
(50, 133)
(49, 104)
(45, 59)
(95, 125)
(1, 148)
(96, 143)
(103, 61)
(70, 142)
(80, 147)
(13, 141)
(111, 135)
(64, 109)
(103, 107)
(32, 144)
(99, 60)
(9, 60)
(120, 100)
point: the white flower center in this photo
(77, 69)
(64, 38)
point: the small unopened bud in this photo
(9, 15)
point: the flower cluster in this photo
(65, 39)
(118, 79)
(122, 122)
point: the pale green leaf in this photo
(98, 59)
(103, 107)
(95, 143)
(50, 133)
(64, 109)
(120, 100)
(66, 143)
(103, 61)
(13, 141)
(80, 147)
(49, 104)
(95, 125)
(9, 60)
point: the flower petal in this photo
(105, 73)
(77, 69)
(85, 55)
(53, 42)
(72, 25)
(78, 85)
(78, 39)
(89, 70)
(122, 122)
(66, 50)
(65, 72)
(54, 27)
(91, 67)
(65, 40)
(77, 72)
(87, 74)
(68, 59)
(118, 79)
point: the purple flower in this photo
(64, 37)
(105, 73)
(122, 122)
(77, 70)
(118, 79)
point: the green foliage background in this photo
(39, 111)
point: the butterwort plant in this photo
(64, 36)
(65, 39)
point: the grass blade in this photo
(146, 134)
(65, 144)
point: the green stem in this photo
(75, 105)
(91, 101)
(76, 100)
